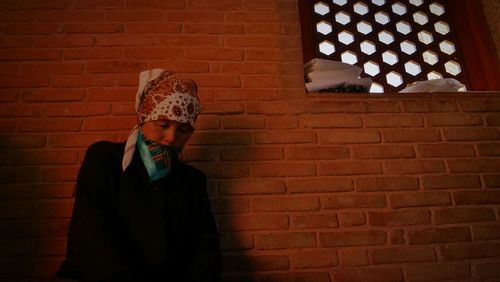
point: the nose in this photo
(170, 135)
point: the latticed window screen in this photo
(395, 42)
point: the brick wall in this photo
(304, 188)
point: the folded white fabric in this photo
(325, 84)
(326, 65)
(435, 85)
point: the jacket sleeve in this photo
(97, 247)
(206, 264)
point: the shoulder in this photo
(190, 171)
(106, 149)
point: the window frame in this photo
(481, 65)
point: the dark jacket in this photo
(127, 229)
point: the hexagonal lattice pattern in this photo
(413, 39)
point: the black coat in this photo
(127, 229)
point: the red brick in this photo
(474, 165)
(319, 185)
(276, 108)
(353, 201)
(404, 254)
(93, 4)
(52, 124)
(460, 215)
(78, 140)
(227, 205)
(414, 166)
(251, 187)
(319, 258)
(194, 16)
(236, 241)
(219, 5)
(438, 271)
(53, 95)
(493, 120)
(189, 41)
(36, 5)
(60, 209)
(299, 276)
(220, 138)
(230, 170)
(222, 108)
(152, 28)
(250, 68)
(20, 110)
(445, 150)
(109, 123)
(51, 247)
(244, 122)
(476, 197)
(368, 274)
(439, 235)
(282, 122)
(314, 221)
(287, 240)
(239, 263)
(352, 238)
(262, 16)
(8, 126)
(215, 54)
(331, 121)
(285, 204)
(411, 135)
(281, 169)
(115, 67)
(453, 120)
(32, 28)
(134, 15)
(70, 16)
(212, 28)
(254, 222)
(419, 199)
(389, 121)
(276, 54)
(479, 105)
(50, 228)
(19, 174)
(60, 174)
(451, 181)
(258, 95)
(353, 257)
(397, 237)
(470, 251)
(471, 134)
(150, 53)
(272, 28)
(85, 81)
(16, 268)
(347, 219)
(15, 210)
(486, 232)
(271, 81)
(349, 137)
(197, 67)
(386, 183)
(252, 154)
(399, 218)
(156, 4)
(489, 149)
(92, 53)
(9, 95)
(124, 40)
(316, 153)
(14, 248)
(349, 168)
(492, 180)
(199, 154)
(78, 110)
(257, 41)
(322, 106)
(15, 42)
(53, 191)
(93, 28)
(488, 270)
(284, 137)
(39, 157)
(9, 81)
(67, 41)
(216, 80)
(429, 106)
(23, 141)
(383, 152)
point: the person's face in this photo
(168, 132)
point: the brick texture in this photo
(304, 187)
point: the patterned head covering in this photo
(162, 95)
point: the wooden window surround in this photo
(399, 42)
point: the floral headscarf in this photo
(162, 95)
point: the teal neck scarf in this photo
(157, 158)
